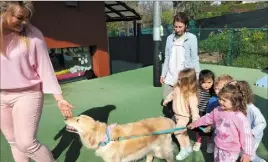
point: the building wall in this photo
(137, 52)
(84, 25)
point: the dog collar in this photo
(107, 137)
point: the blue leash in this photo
(202, 129)
(167, 131)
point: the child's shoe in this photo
(183, 154)
(258, 159)
(197, 146)
(210, 148)
(189, 149)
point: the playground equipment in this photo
(262, 82)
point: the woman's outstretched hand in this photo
(65, 108)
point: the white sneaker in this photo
(210, 148)
(197, 146)
(258, 159)
(189, 149)
(183, 154)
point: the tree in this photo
(166, 18)
(192, 8)
(146, 10)
(114, 28)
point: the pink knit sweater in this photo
(24, 66)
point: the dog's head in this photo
(82, 124)
(87, 128)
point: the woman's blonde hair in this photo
(6, 7)
(187, 83)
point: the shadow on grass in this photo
(72, 140)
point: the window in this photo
(71, 3)
(70, 62)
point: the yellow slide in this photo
(62, 72)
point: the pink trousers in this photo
(224, 156)
(21, 110)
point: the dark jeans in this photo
(201, 133)
(168, 111)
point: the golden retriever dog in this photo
(94, 133)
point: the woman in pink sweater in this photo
(26, 73)
(232, 128)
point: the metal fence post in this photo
(265, 29)
(230, 47)
(157, 64)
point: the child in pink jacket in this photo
(232, 128)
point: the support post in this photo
(157, 66)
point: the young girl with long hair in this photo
(185, 107)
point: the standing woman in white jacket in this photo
(180, 53)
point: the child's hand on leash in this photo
(165, 103)
(191, 126)
(207, 129)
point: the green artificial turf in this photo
(121, 98)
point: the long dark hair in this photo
(204, 75)
(181, 17)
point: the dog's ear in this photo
(83, 115)
(91, 139)
(88, 118)
(90, 135)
